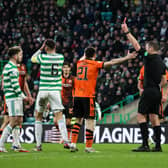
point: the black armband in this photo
(127, 33)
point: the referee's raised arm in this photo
(130, 37)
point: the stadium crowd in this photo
(78, 24)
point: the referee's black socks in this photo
(157, 134)
(144, 133)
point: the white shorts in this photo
(15, 107)
(53, 97)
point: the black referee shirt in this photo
(154, 68)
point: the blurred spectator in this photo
(78, 24)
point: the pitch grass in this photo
(109, 155)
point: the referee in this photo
(154, 79)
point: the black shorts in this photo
(66, 112)
(150, 101)
(84, 107)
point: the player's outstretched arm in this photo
(120, 60)
(130, 37)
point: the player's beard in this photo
(18, 61)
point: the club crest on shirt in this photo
(66, 85)
(14, 73)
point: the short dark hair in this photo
(154, 45)
(89, 52)
(50, 43)
(67, 63)
(13, 51)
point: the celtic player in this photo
(13, 94)
(49, 90)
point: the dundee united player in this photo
(67, 99)
(154, 79)
(84, 94)
(13, 94)
(49, 90)
(164, 92)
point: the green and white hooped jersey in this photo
(11, 82)
(50, 71)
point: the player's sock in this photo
(6, 132)
(89, 138)
(69, 131)
(16, 138)
(144, 133)
(75, 133)
(63, 130)
(157, 133)
(38, 132)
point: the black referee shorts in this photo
(150, 101)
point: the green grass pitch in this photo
(109, 155)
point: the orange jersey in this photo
(166, 75)
(141, 75)
(22, 75)
(67, 87)
(85, 82)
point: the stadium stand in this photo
(78, 24)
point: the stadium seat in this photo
(30, 119)
(106, 16)
(129, 99)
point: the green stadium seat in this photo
(106, 16)
(129, 99)
(30, 119)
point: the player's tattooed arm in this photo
(120, 60)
